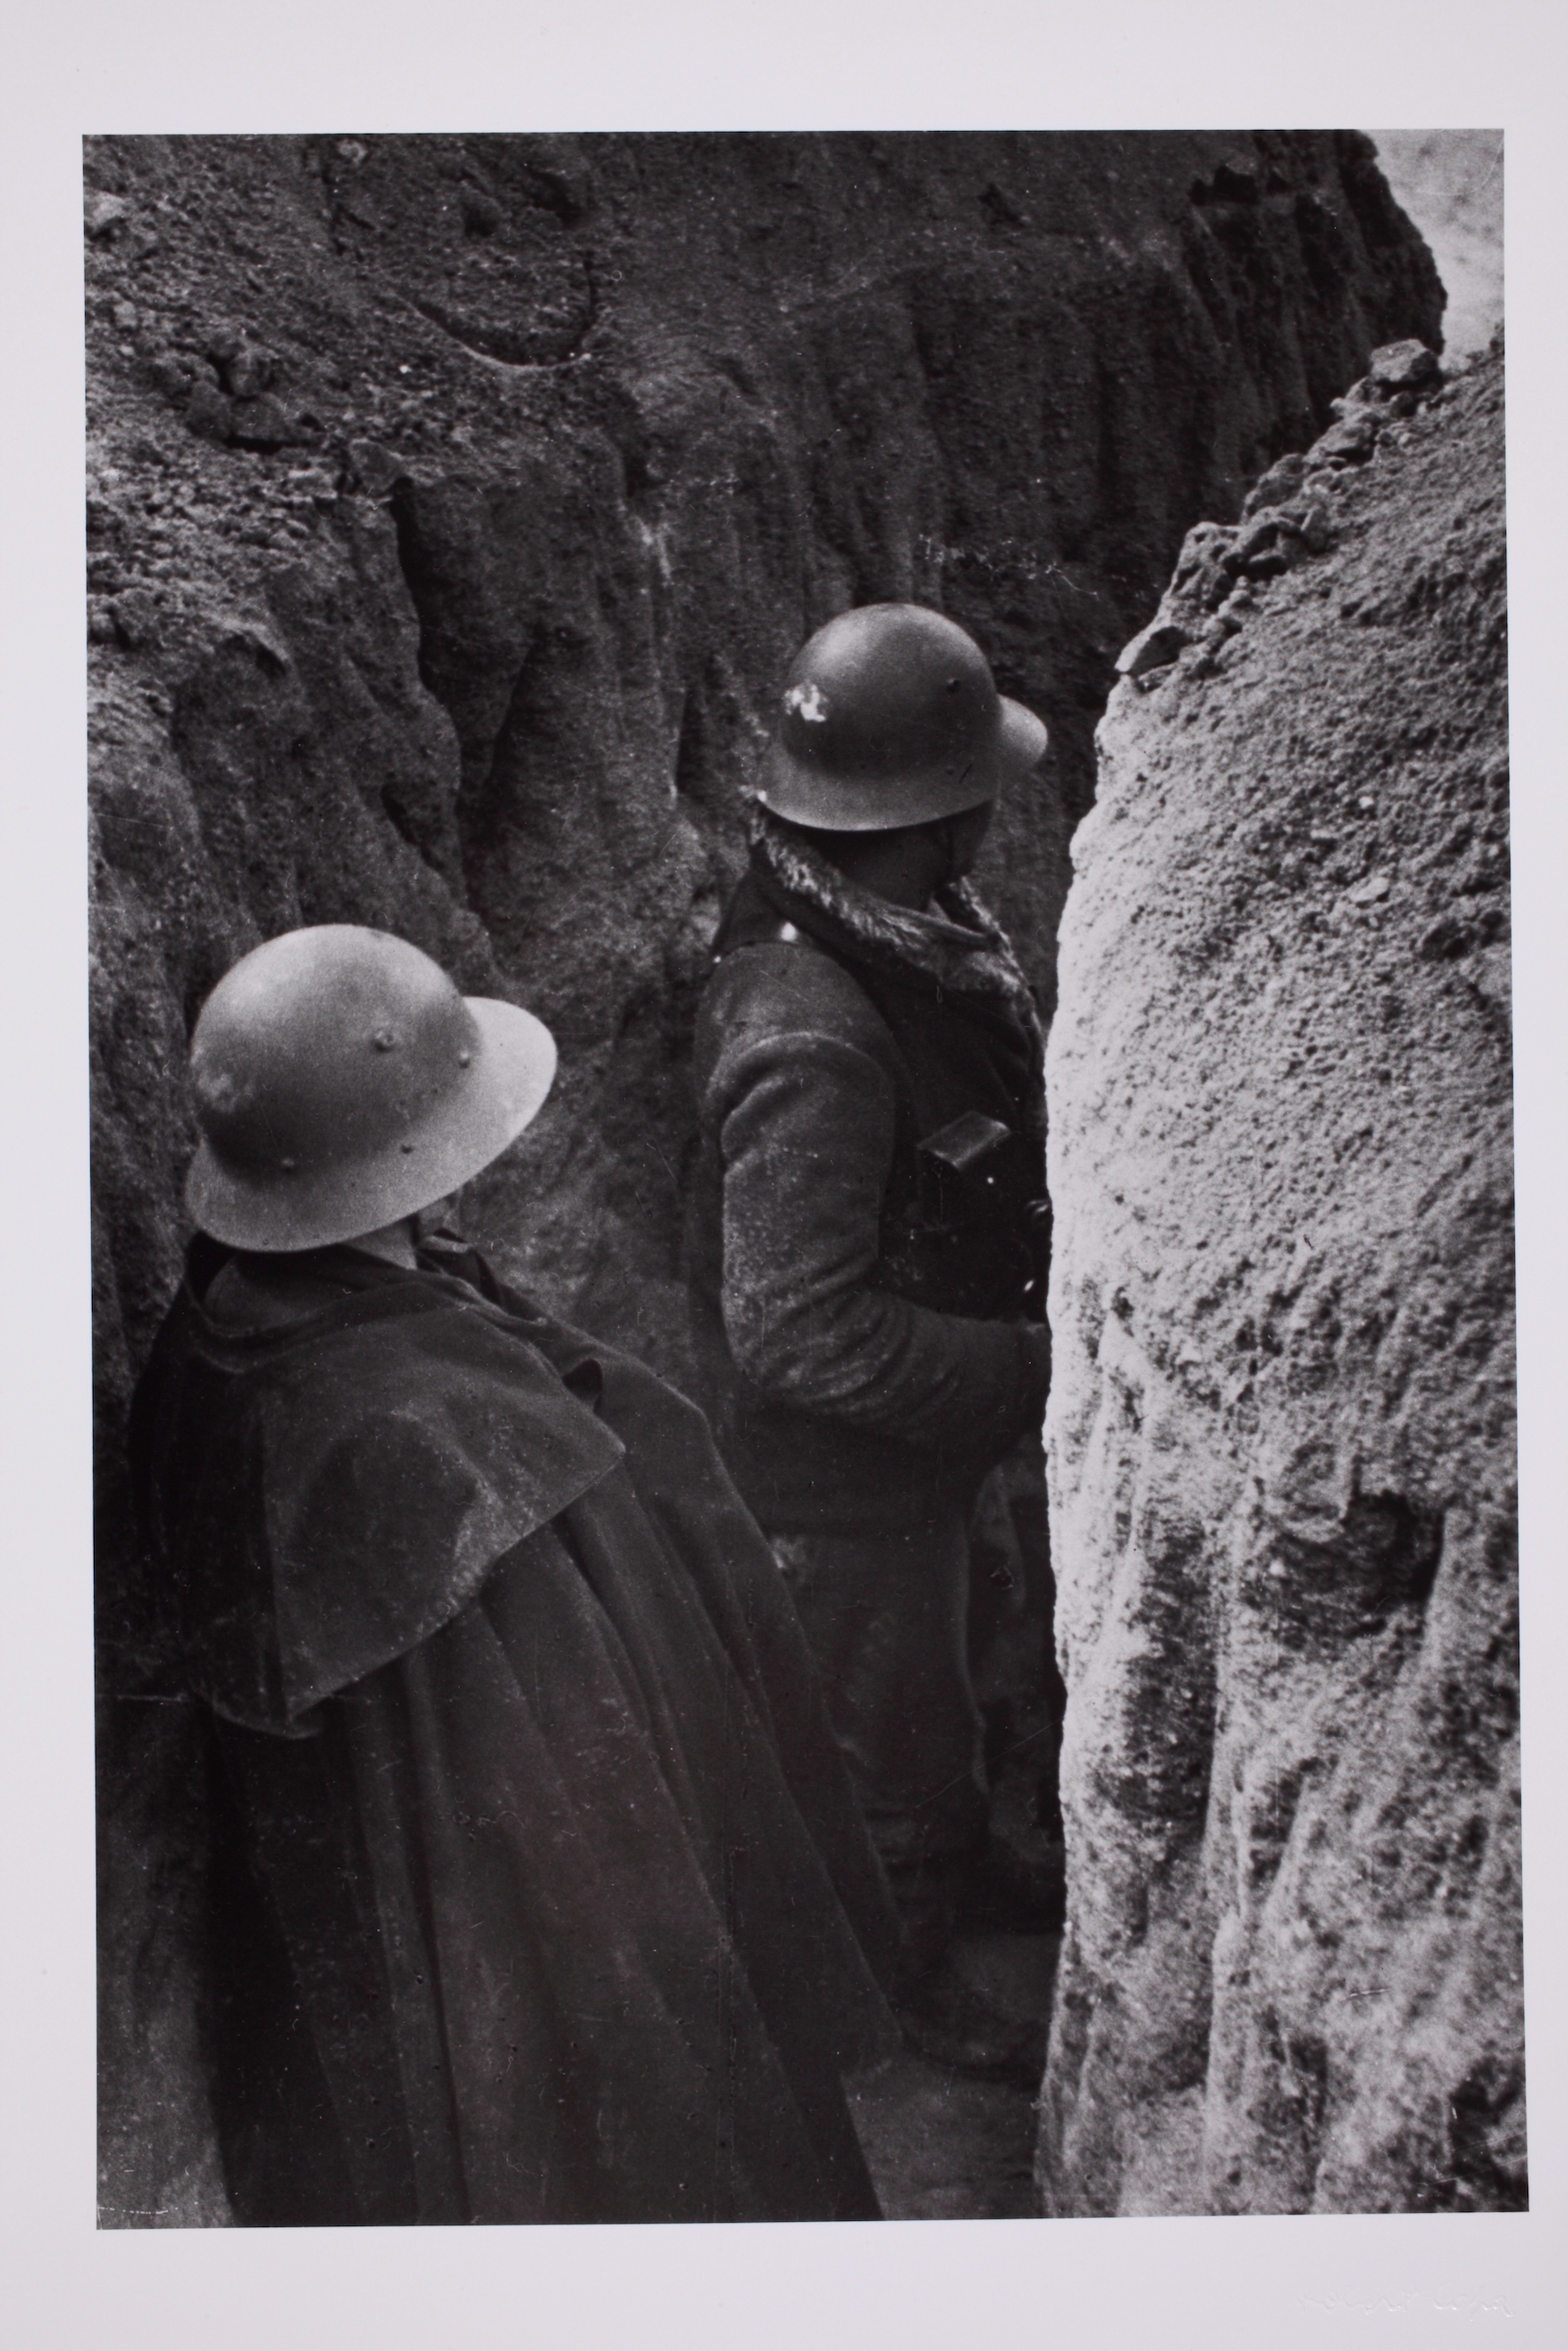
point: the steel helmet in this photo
(890, 716)
(341, 1082)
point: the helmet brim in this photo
(503, 1090)
(804, 794)
(1024, 738)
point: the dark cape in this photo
(538, 1891)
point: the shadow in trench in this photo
(941, 2148)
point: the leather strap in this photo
(758, 930)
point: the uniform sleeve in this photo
(807, 1142)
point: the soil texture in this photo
(1281, 1433)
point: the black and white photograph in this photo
(800, 979)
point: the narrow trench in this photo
(943, 2147)
(939, 2144)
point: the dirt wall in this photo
(1281, 1433)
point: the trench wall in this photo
(1282, 1432)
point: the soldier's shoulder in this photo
(791, 987)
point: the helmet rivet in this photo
(405, 1146)
(383, 1041)
(288, 1166)
(464, 1058)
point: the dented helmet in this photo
(341, 1082)
(890, 716)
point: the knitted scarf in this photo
(958, 945)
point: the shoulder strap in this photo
(755, 926)
(754, 918)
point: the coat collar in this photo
(960, 946)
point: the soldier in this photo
(870, 1176)
(539, 1890)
